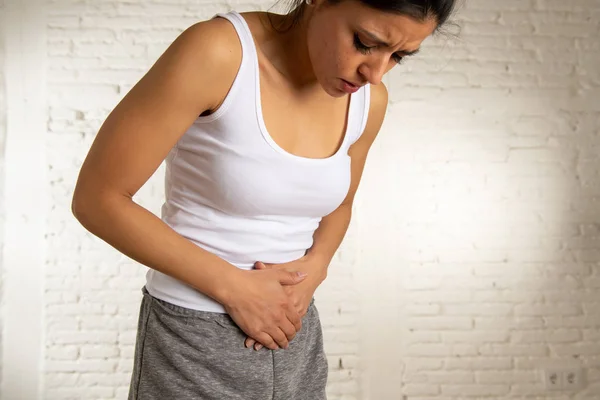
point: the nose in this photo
(373, 70)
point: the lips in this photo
(352, 84)
(348, 87)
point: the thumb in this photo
(291, 278)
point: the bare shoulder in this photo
(377, 110)
(379, 96)
(217, 36)
(209, 53)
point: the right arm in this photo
(194, 75)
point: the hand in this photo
(301, 294)
(259, 305)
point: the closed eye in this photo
(364, 49)
(360, 46)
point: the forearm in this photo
(329, 236)
(142, 236)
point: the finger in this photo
(267, 340)
(294, 318)
(289, 329)
(280, 338)
(291, 278)
(259, 265)
(249, 342)
(258, 346)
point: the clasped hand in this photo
(269, 304)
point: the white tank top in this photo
(233, 191)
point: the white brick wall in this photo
(473, 260)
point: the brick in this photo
(475, 390)
(439, 322)
(99, 352)
(415, 389)
(537, 350)
(479, 363)
(81, 366)
(548, 336)
(61, 352)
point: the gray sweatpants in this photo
(184, 354)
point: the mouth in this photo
(351, 84)
(349, 87)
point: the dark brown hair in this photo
(421, 10)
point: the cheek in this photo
(317, 48)
(324, 57)
(339, 57)
(330, 55)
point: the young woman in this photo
(265, 122)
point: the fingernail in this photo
(302, 274)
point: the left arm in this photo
(332, 229)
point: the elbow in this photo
(91, 207)
(82, 207)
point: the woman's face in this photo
(350, 44)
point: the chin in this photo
(336, 93)
(333, 90)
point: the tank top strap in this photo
(245, 35)
(362, 100)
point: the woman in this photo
(265, 122)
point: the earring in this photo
(309, 2)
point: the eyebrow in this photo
(381, 42)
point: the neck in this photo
(288, 50)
